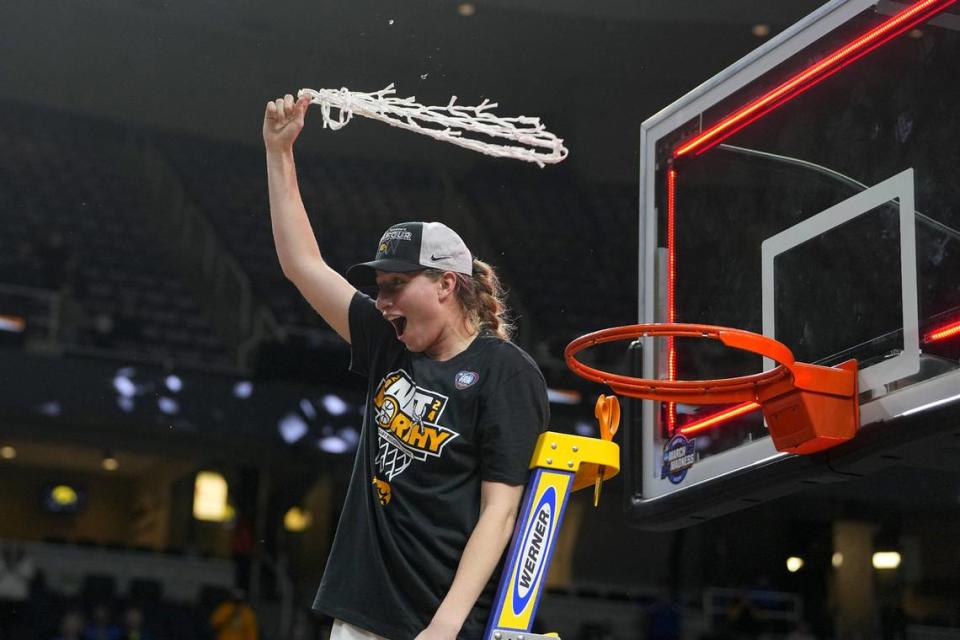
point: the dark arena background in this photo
(178, 426)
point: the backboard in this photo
(810, 192)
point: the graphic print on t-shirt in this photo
(407, 418)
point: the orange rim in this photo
(720, 391)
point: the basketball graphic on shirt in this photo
(387, 411)
(391, 460)
(408, 420)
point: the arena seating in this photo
(86, 232)
(82, 230)
(568, 287)
(350, 204)
(352, 201)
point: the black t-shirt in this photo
(432, 430)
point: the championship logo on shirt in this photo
(407, 417)
(465, 379)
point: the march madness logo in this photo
(407, 417)
(466, 379)
(679, 454)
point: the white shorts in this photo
(345, 631)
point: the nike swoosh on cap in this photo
(433, 257)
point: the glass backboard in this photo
(811, 192)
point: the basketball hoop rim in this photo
(718, 391)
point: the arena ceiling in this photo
(293, 16)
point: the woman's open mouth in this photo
(399, 324)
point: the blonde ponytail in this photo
(483, 299)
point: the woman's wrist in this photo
(447, 623)
(279, 152)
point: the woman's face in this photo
(411, 302)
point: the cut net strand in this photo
(530, 140)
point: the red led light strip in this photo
(671, 284)
(719, 417)
(944, 332)
(671, 247)
(743, 117)
(863, 45)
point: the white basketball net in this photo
(452, 123)
(391, 460)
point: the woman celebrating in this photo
(452, 416)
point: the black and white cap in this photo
(412, 246)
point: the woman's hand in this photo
(283, 121)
